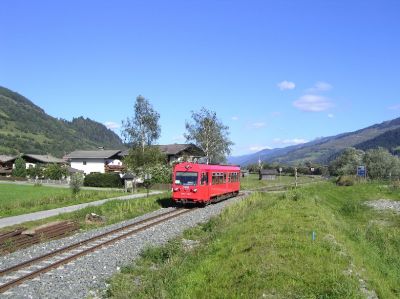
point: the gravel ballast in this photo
(87, 275)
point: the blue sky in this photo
(276, 72)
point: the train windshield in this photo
(186, 178)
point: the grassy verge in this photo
(263, 247)
(22, 199)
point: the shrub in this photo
(76, 183)
(20, 169)
(111, 180)
(345, 180)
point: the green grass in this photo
(21, 199)
(252, 181)
(262, 247)
(114, 211)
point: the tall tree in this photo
(210, 134)
(143, 128)
(347, 162)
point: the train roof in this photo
(216, 167)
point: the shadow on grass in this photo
(167, 202)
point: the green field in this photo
(263, 247)
(252, 181)
(21, 199)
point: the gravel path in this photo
(384, 204)
(8, 221)
(87, 275)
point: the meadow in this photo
(317, 241)
(21, 199)
(252, 182)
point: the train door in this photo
(205, 190)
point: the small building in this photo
(96, 161)
(268, 174)
(244, 173)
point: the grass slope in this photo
(263, 248)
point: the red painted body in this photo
(203, 183)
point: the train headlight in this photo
(194, 190)
(176, 189)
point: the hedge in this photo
(111, 180)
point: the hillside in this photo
(322, 150)
(25, 127)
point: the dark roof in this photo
(128, 176)
(74, 170)
(268, 172)
(44, 158)
(174, 149)
(5, 158)
(99, 154)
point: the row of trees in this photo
(51, 171)
(380, 163)
(142, 130)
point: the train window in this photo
(186, 178)
(204, 179)
(217, 178)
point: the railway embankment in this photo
(320, 240)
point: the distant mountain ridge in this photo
(386, 134)
(26, 128)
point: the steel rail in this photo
(4, 287)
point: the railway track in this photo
(18, 274)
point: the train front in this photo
(185, 184)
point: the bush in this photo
(345, 180)
(76, 183)
(111, 180)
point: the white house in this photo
(96, 161)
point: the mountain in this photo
(26, 128)
(322, 150)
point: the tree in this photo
(347, 162)
(210, 134)
(54, 172)
(143, 128)
(20, 168)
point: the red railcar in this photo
(204, 183)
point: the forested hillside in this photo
(323, 150)
(25, 127)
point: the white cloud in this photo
(313, 103)
(111, 125)
(285, 85)
(293, 141)
(320, 87)
(235, 118)
(394, 107)
(257, 125)
(330, 115)
(179, 138)
(258, 148)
